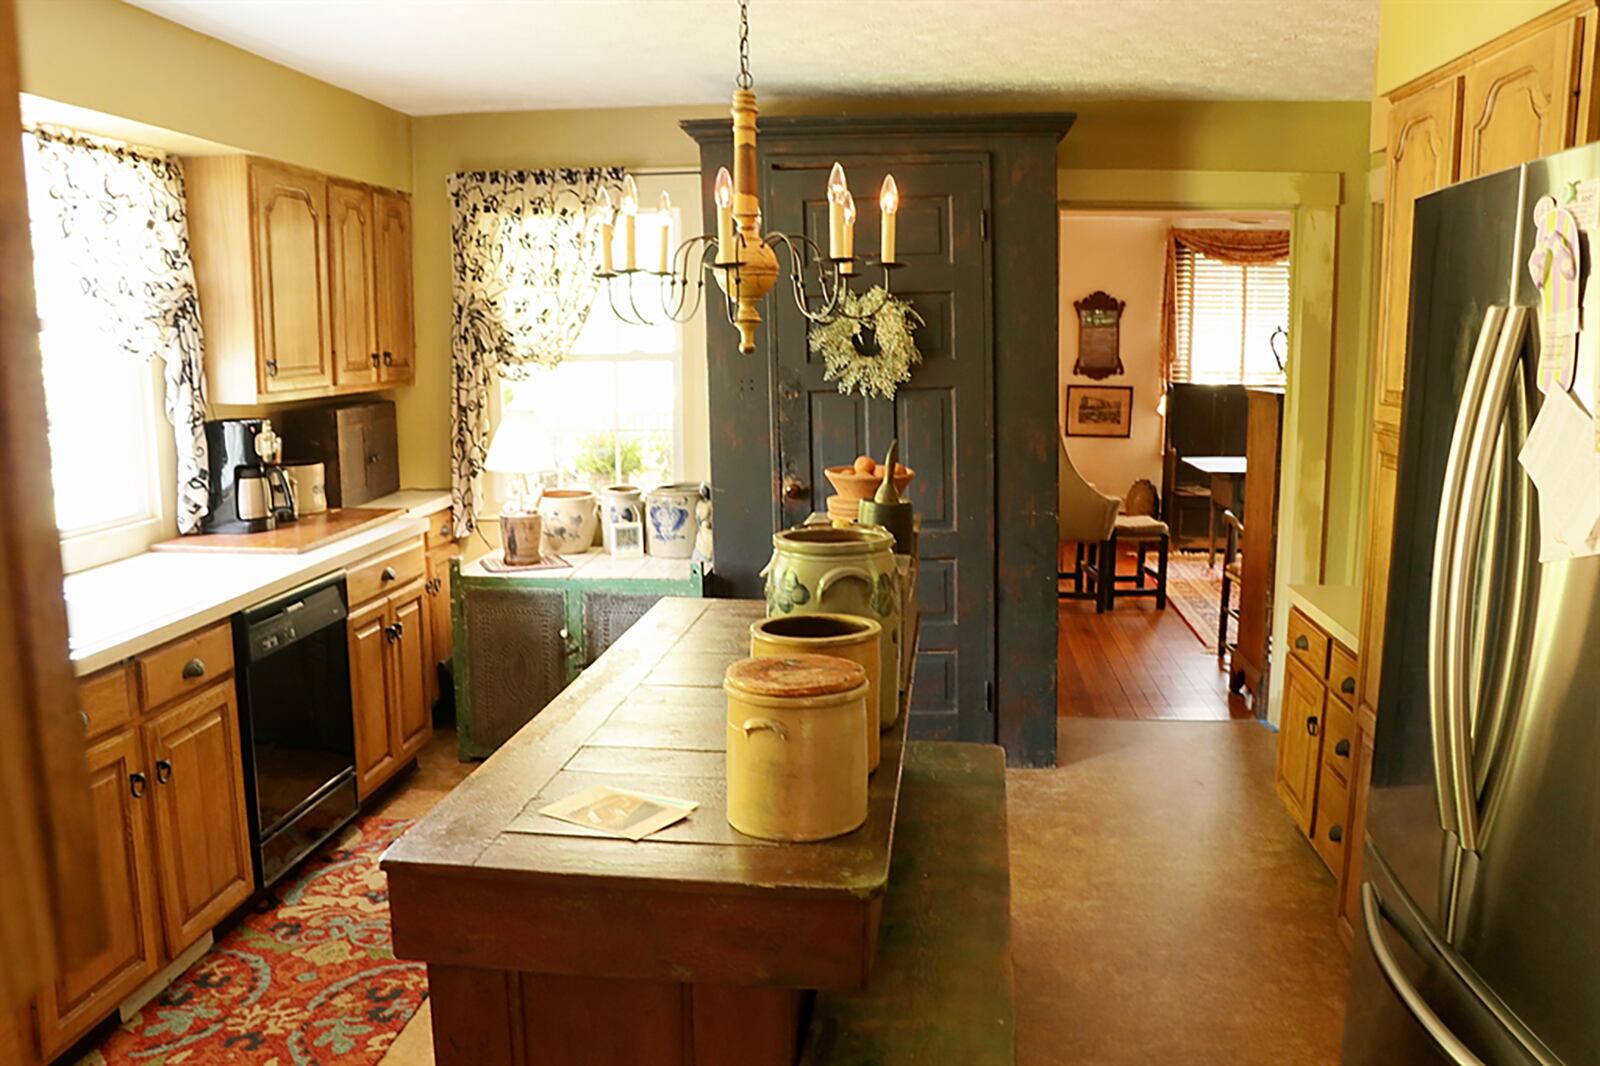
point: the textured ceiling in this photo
(442, 56)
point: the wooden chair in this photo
(1232, 572)
(1084, 516)
(1143, 530)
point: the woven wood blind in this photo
(1224, 319)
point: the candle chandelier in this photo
(743, 261)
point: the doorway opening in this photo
(1168, 324)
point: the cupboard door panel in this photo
(396, 341)
(1423, 137)
(352, 294)
(369, 695)
(1300, 743)
(1380, 550)
(1517, 103)
(79, 998)
(1355, 841)
(440, 620)
(408, 651)
(202, 836)
(290, 208)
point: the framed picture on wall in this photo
(1099, 410)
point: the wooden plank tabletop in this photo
(289, 538)
(648, 715)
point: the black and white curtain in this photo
(112, 217)
(525, 252)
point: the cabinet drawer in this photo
(1338, 738)
(106, 700)
(1333, 810)
(385, 572)
(1308, 643)
(439, 535)
(186, 664)
(1342, 674)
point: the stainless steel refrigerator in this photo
(1479, 939)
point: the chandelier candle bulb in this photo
(724, 197)
(849, 266)
(630, 212)
(664, 211)
(837, 190)
(607, 218)
(889, 204)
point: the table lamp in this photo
(519, 447)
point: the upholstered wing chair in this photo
(1086, 517)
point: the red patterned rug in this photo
(310, 981)
(1195, 590)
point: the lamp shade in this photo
(519, 446)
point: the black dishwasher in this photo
(293, 665)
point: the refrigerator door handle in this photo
(1462, 564)
(1373, 916)
(1440, 646)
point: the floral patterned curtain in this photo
(113, 217)
(524, 255)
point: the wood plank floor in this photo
(1137, 662)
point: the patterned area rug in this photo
(1194, 590)
(310, 981)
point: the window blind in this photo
(1225, 316)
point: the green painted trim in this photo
(1211, 189)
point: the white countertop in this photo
(132, 605)
(1336, 608)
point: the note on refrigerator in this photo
(1560, 459)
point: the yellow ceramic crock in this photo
(820, 569)
(844, 635)
(797, 747)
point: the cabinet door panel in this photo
(1422, 145)
(202, 835)
(376, 752)
(79, 998)
(408, 652)
(440, 620)
(352, 303)
(1380, 548)
(396, 341)
(290, 210)
(1355, 842)
(1300, 743)
(1517, 103)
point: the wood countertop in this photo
(697, 902)
(304, 534)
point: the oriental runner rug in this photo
(309, 980)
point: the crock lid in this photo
(796, 676)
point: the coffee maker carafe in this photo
(249, 491)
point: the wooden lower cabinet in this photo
(441, 621)
(1318, 739)
(1300, 743)
(1349, 904)
(121, 800)
(202, 833)
(390, 662)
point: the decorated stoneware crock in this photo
(569, 520)
(670, 524)
(823, 569)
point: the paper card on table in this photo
(618, 811)
(1560, 459)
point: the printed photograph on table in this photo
(1099, 410)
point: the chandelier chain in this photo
(744, 81)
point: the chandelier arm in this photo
(633, 304)
(797, 274)
(611, 298)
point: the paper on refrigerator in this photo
(1561, 462)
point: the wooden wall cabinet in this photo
(304, 281)
(391, 662)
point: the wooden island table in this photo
(695, 947)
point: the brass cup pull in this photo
(389, 574)
(136, 785)
(194, 668)
(163, 771)
(1342, 749)
(1302, 643)
(1311, 724)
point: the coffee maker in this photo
(249, 490)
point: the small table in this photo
(1227, 491)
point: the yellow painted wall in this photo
(110, 57)
(1414, 36)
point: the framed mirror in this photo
(1099, 335)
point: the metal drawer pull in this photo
(389, 574)
(1336, 833)
(390, 634)
(194, 668)
(1311, 724)
(1348, 686)
(399, 630)
(1302, 643)
(1342, 749)
(388, 359)
(85, 716)
(163, 771)
(374, 358)
(136, 785)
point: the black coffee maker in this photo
(249, 491)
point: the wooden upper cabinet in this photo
(304, 281)
(120, 794)
(1518, 102)
(202, 835)
(396, 335)
(352, 284)
(1422, 157)
(290, 218)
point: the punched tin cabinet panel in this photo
(517, 660)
